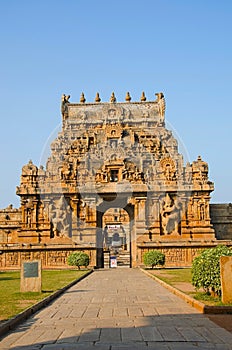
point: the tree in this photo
(206, 269)
(153, 258)
(78, 259)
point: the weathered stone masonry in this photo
(111, 155)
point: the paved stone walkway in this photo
(118, 309)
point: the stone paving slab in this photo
(118, 309)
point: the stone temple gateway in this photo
(114, 183)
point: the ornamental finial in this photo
(112, 98)
(97, 98)
(143, 97)
(128, 98)
(82, 98)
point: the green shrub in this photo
(78, 259)
(153, 258)
(206, 269)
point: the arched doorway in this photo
(114, 234)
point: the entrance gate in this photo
(119, 243)
(115, 155)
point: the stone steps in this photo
(123, 259)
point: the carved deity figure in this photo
(169, 172)
(66, 171)
(168, 169)
(201, 210)
(59, 217)
(28, 212)
(170, 215)
(130, 172)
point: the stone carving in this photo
(143, 97)
(101, 113)
(66, 171)
(114, 130)
(170, 215)
(64, 103)
(97, 98)
(109, 153)
(128, 97)
(188, 173)
(112, 98)
(161, 103)
(41, 171)
(28, 212)
(130, 172)
(82, 98)
(169, 169)
(29, 172)
(200, 171)
(60, 218)
(201, 209)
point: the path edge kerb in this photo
(22, 316)
(203, 308)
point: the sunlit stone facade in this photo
(110, 158)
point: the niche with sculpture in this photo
(170, 215)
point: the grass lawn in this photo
(181, 279)
(173, 276)
(12, 301)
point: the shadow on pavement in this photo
(168, 332)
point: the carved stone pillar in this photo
(46, 233)
(88, 221)
(74, 208)
(184, 215)
(23, 213)
(154, 226)
(34, 220)
(91, 210)
(140, 212)
(140, 228)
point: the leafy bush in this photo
(206, 269)
(153, 258)
(78, 259)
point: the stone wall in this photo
(221, 219)
(177, 254)
(10, 223)
(52, 257)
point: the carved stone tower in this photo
(115, 155)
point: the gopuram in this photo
(114, 184)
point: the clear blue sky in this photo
(180, 47)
